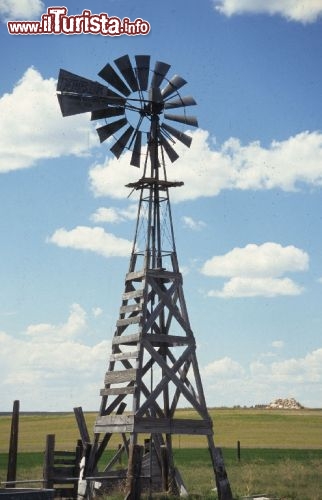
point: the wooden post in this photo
(49, 462)
(81, 422)
(133, 480)
(165, 468)
(238, 450)
(13, 446)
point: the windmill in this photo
(153, 368)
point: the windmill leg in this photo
(222, 482)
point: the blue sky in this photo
(248, 221)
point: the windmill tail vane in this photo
(152, 367)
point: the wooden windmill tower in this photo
(153, 366)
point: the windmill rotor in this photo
(132, 100)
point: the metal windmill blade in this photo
(125, 67)
(159, 72)
(187, 120)
(184, 138)
(174, 84)
(142, 70)
(180, 102)
(110, 128)
(110, 76)
(131, 105)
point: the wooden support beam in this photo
(171, 340)
(133, 483)
(82, 426)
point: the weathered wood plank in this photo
(127, 339)
(129, 321)
(117, 391)
(114, 423)
(135, 276)
(124, 355)
(131, 308)
(173, 426)
(118, 376)
(129, 423)
(135, 294)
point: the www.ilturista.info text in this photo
(56, 21)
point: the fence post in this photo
(49, 462)
(13, 446)
(238, 450)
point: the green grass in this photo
(288, 474)
(253, 428)
(281, 451)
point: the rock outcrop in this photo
(285, 404)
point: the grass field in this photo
(281, 450)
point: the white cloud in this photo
(266, 260)
(307, 369)
(21, 9)
(223, 367)
(278, 344)
(207, 169)
(306, 11)
(229, 382)
(92, 239)
(46, 365)
(97, 311)
(33, 129)
(257, 287)
(75, 324)
(256, 270)
(193, 224)
(114, 214)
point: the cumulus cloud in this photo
(307, 369)
(93, 239)
(21, 9)
(74, 325)
(257, 270)
(46, 365)
(31, 113)
(193, 224)
(230, 382)
(208, 169)
(292, 10)
(114, 215)
(223, 367)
